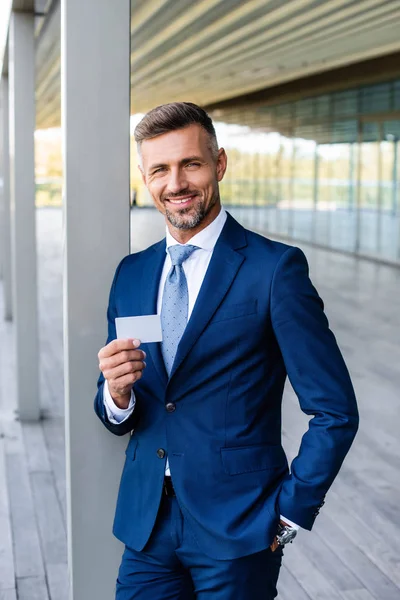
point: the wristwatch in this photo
(286, 534)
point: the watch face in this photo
(286, 535)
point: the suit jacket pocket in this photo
(235, 310)
(131, 449)
(246, 459)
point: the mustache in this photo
(183, 192)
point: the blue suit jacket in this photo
(256, 320)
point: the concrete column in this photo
(23, 226)
(95, 97)
(5, 234)
(2, 209)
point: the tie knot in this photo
(179, 253)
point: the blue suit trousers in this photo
(172, 567)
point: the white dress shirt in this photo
(195, 268)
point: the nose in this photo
(177, 181)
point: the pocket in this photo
(131, 448)
(236, 310)
(247, 459)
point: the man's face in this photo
(182, 177)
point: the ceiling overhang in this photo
(213, 50)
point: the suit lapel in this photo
(149, 293)
(221, 272)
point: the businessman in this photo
(207, 501)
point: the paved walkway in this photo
(353, 552)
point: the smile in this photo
(180, 200)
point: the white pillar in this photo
(23, 226)
(2, 200)
(5, 233)
(95, 98)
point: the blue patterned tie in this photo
(175, 303)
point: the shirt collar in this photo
(207, 237)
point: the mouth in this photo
(181, 201)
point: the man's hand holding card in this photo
(121, 361)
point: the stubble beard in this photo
(191, 217)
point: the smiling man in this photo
(207, 501)
(185, 187)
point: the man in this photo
(206, 500)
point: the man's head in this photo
(181, 165)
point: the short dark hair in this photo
(173, 116)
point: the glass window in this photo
(391, 130)
(298, 169)
(375, 98)
(370, 132)
(342, 196)
(396, 95)
(305, 110)
(322, 106)
(284, 115)
(303, 187)
(345, 103)
(344, 131)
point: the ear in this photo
(222, 163)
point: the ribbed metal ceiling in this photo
(210, 50)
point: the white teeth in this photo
(180, 201)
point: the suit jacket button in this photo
(170, 407)
(160, 453)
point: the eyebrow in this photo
(184, 161)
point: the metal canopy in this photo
(211, 50)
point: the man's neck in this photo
(183, 236)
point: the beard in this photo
(192, 216)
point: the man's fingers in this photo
(117, 346)
(124, 356)
(123, 385)
(125, 369)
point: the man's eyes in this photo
(163, 169)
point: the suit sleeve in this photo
(319, 376)
(99, 407)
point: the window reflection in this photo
(321, 170)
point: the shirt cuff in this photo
(289, 522)
(115, 414)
